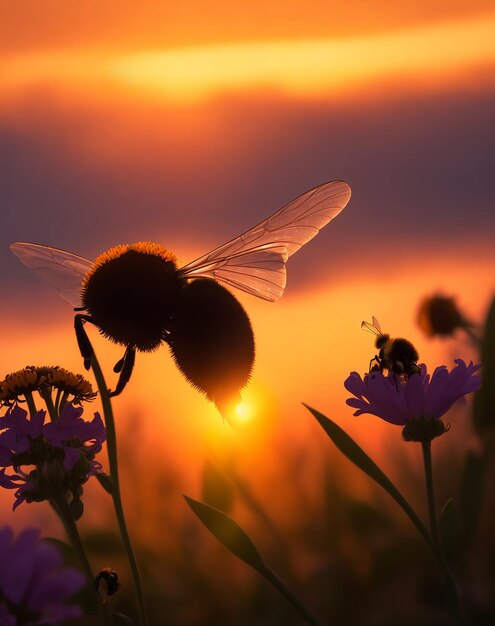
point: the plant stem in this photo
(46, 394)
(473, 336)
(450, 588)
(30, 402)
(57, 401)
(61, 508)
(288, 595)
(117, 500)
(63, 401)
(429, 491)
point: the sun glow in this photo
(244, 412)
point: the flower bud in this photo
(439, 315)
(76, 508)
(107, 583)
(424, 429)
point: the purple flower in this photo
(75, 436)
(26, 490)
(419, 399)
(18, 432)
(59, 455)
(34, 584)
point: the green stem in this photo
(61, 508)
(57, 401)
(63, 401)
(30, 402)
(117, 500)
(429, 491)
(473, 336)
(46, 394)
(450, 588)
(288, 595)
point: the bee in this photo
(137, 296)
(395, 355)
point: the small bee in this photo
(396, 355)
(137, 296)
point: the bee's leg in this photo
(125, 367)
(117, 368)
(375, 358)
(83, 341)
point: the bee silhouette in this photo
(138, 297)
(396, 355)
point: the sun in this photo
(244, 412)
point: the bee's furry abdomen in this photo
(212, 341)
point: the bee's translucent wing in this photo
(376, 324)
(63, 270)
(255, 261)
(373, 327)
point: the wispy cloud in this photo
(431, 54)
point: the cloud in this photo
(84, 176)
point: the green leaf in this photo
(484, 402)
(229, 533)
(358, 456)
(105, 481)
(450, 530)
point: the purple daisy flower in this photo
(418, 402)
(34, 583)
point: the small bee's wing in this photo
(373, 327)
(255, 261)
(63, 270)
(376, 324)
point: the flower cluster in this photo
(418, 402)
(42, 379)
(49, 459)
(34, 584)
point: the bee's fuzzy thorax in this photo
(401, 349)
(131, 291)
(142, 247)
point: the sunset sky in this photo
(187, 123)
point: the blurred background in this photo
(187, 124)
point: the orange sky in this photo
(190, 122)
(428, 54)
(122, 24)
